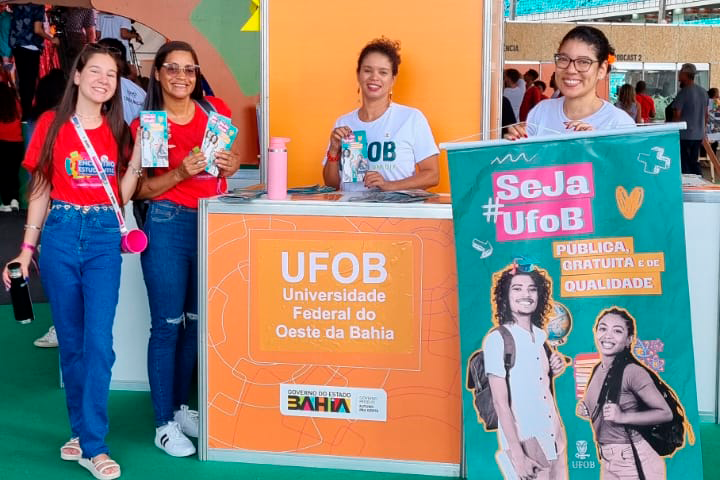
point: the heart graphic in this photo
(629, 204)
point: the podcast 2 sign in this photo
(599, 216)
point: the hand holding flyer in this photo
(154, 139)
(219, 136)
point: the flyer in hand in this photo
(154, 138)
(219, 136)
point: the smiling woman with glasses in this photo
(170, 262)
(581, 63)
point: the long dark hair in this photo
(501, 291)
(154, 99)
(9, 111)
(49, 92)
(112, 110)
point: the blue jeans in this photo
(80, 264)
(171, 276)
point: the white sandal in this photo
(98, 469)
(73, 443)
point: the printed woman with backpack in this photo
(623, 399)
(530, 431)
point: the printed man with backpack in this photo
(513, 377)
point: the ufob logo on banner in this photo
(542, 202)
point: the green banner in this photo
(575, 245)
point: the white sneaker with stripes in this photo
(170, 438)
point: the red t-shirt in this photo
(185, 138)
(12, 131)
(532, 97)
(647, 106)
(74, 179)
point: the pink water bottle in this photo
(277, 169)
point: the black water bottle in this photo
(20, 294)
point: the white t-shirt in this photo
(396, 141)
(548, 118)
(532, 403)
(109, 27)
(515, 95)
(133, 98)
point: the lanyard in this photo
(100, 172)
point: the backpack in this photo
(477, 380)
(665, 438)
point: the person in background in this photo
(508, 117)
(690, 106)
(514, 89)
(170, 263)
(582, 61)
(79, 29)
(541, 85)
(713, 125)
(553, 84)
(645, 101)
(47, 97)
(626, 102)
(5, 50)
(132, 94)
(401, 148)
(12, 148)
(80, 258)
(116, 26)
(27, 34)
(532, 96)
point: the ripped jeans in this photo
(170, 270)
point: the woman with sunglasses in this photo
(170, 262)
(80, 258)
(582, 62)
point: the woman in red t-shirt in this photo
(11, 145)
(170, 262)
(80, 259)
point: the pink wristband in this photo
(27, 246)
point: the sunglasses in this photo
(173, 69)
(99, 48)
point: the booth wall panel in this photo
(313, 50)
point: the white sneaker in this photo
(49, 340)
(14, 204)
(5, 208)
(188, 420)
(170, 438)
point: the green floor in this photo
(34, 424)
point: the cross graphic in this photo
(654, 165)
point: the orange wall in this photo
(313, 49)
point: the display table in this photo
(329, 334)
(702, 237)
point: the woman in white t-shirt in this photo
(401, 150)
(582, 61)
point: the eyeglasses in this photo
(582, 64)
(173, 69)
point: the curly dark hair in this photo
(385, 46)
(500, 292)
